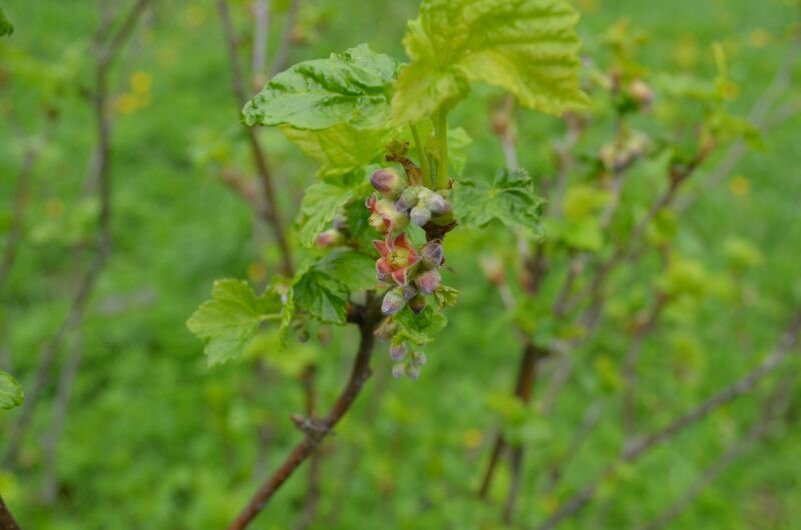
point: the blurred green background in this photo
(155, 439)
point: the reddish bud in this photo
(428, 281)
(432, 253)
(388, 181)
(398, 352)
(329, 238)
(641, 92)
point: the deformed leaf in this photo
(231, 318)
(352, 88)
(528, 47)
(10, 391)
(510, 199)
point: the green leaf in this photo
(418, 328)
(231, 318)
(528, 47)
(321, 296)
(510, 200)
(10, 392)
(354, 270)
(340, 149)
(352, 88)
(6, 28)
(446, 296)
(320, 205)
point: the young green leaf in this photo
(231, 318)
(528, 47)
(354, 270)
(320, 205)
(340, 149)
(6, 28)
(321, 296)
(418, 328)
(510, 200)
(10, 392)
(352, 88)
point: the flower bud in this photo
(641, 92)
(393, 301)
(428, 281)
(329, 238)
(412, 372)
(408, 199)
(420, 215)
(418, 303)
(397, 352)
(418, 358)
(409, 291)
(388, 182)
(398, 370)
(437, 204)
(432, 253)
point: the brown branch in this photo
(316, 430)
(557, 468)
(105, 55)
(260, 40)
(272, 214)
(311, 500)
(282, 54)
(7, 521)
(635, 450)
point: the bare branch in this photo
(635, 450)
(311, 500)
(368, 321)
(282, 54)
(260, 40)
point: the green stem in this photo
(442, 180)
(423, 155)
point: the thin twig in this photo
(282, 54)
(260, 40)
(105, 55)
(271, 213)
(635, 450)
(317, 429)
(312, 497)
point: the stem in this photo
(442, 180)
(422, 155)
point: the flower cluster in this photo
(412, 273)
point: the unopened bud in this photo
(413, 372)
(428, 281)
(329, 238)
(398, 371)
(437, 204)
(397, 352)
(420, 215)
(388, 181)
(409, 291)
(418, 358)
(641, 92)
(393, 301)
(493, 269)
(418, 303)
(408, 199)
(432, 253)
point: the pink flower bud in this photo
(393, 301)
(428, 281)
(388, 181)
(418, 303)
(329, 238)
(412, 372)
(418, 358)
(408, 199)
(437, 205)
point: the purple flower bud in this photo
(398, 371)
(329, 238)
(428, 281)
(418, 358)
(432, 253)
(393, 301)
(397, 352)
(420, 215)
(413, 372)
(418, 303)
(437, 204)
(388, 181)
(409, 291)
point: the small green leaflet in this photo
(340, 149)
(352, 88)
(6, 28)
(528, 47)
(321, 296)
(418, 328)
(510, 200)
(231, 318)
(320, 205)
(10, 392)
(354, 270)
